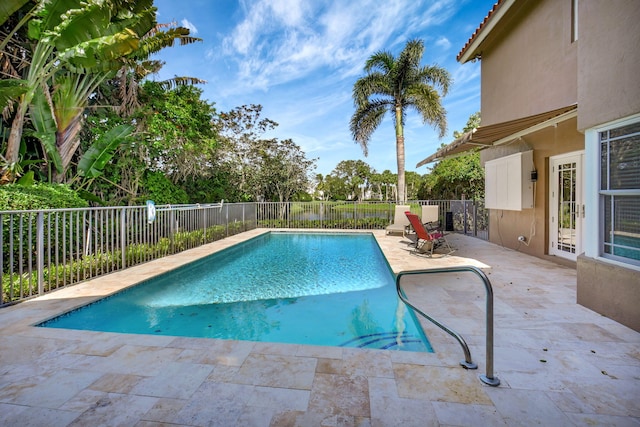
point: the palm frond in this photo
(373, 84)
(426, 101)
(437, 76)
(162, 39)
(381, 61)
(180, 81)
(365, 121)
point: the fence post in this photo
(40, 251)
(226, 219)
(123, 237)
(475, 218)
(464, 214)
(204, 225)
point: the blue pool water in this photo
(333, 289)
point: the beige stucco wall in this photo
(610, 290)
(505, 226)
(529, 69)
(608, 39)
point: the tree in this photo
(76, 44)
(283, 170)
(180, 134)
(240, 133)
(453, 177)
(267, 169)
(355, 176)
(395, 85)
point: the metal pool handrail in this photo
(467, 363)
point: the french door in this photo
(566, 205)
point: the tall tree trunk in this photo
(13, 145)
(402, 198)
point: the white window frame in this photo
(594, 221)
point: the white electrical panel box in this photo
(508, 184)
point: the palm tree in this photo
(396, 84)
(138, 65)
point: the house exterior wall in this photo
(609, 289)
(505, 226)
(609, 91)
(529, 63)
(608, 40)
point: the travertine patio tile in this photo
(223, 374)
(374, 363)
(164, 410)
(213, 352)
(116, 383)
(177, 380)
(51, 392)
(320, 351)
(285, 398)
(609, 396)
(214, 404)
(526, 408)
(277, 371)
(458, 414)
(114, 409)
(13, 415)
(134, 360)
(388, 409)
(603, 420)
(454, 384)
(340, 394)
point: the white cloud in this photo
(279, 41)
(443, 42)
(188, 25)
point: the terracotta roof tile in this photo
(479, 29)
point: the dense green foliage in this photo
(452, 179)
(38, 196)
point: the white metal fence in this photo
(49, 249)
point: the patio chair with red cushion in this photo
(427, 240)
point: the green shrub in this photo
(162, 191)
(39, 196)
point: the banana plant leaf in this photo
(45, 127)
(9, 7)
(11, 89)
(95, 159)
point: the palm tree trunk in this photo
(400, 154)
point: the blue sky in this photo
(299, 60)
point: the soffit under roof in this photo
(487, 136)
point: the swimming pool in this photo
(321, 288)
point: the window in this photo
(620, 192)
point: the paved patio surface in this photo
(559, 364)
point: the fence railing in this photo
(49, 249)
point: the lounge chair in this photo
(426, 240)
(400, 221)
(430, 215)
